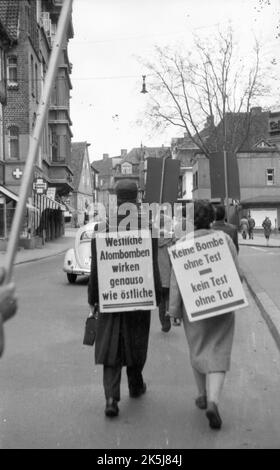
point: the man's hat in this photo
(126, 191)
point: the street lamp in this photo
(144, 85)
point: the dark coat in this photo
(122, 336)
(230, 229)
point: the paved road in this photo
(51, 392)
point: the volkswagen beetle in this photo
(77, 260)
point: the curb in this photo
(41, 257)
(269, 311)
(259, 246)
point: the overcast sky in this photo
(110, 34)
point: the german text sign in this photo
(125, 271)
(207, 276)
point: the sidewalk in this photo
(53, 248)
(259, 240)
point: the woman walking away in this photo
(267, 229)
(210, 340)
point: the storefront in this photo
(43, 220)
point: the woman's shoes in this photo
(176, 322)
(212, 413)
(201, 402)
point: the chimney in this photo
(209, 122)
(123, 153)
(105, 156)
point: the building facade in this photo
(32, 25)
(259, 172)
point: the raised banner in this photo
(125, 271)
(207, 277)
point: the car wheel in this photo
(71, 278)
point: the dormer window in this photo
(126, 169)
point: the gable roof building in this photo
(81, 200)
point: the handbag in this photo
(91, 328)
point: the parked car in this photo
(77, 260)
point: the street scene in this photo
(51, 390)
(139, 226)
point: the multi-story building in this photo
(258, 161)
(32, 26)
(5, 43)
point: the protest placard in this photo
(207, 276)
(125, 271)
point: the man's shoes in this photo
(201, 402)
(166, 325)
(176, 322)
(112, 408)
(137, 392)
(212, 413)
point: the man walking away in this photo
(251, 223)
(122, 337)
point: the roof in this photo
(78, 151)
(261, 200)
(9, 17)
(135, 155)
(104, 166)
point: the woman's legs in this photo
(200, 382)
(215, 382)
(215, 385)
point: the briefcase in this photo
(90, 330)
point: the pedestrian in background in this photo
(8, 305)
(122, 337)
(210, 340)
(165, 240)
(220, 224)
(244, 227)
(252, 224)
(267, 228)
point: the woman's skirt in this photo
(210, 342)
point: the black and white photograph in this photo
(139, 227)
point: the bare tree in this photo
(210, 83)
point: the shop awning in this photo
(261, 200)
(14, 197)
(49, 203)
(46, 202)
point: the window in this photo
(126, 169)
(2, 218)
(32, 76)
(270, 176)
(12, 71)
(14, 142)
(195, 180)
(36, 83)
(53, 145)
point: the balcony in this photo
(61, 176)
